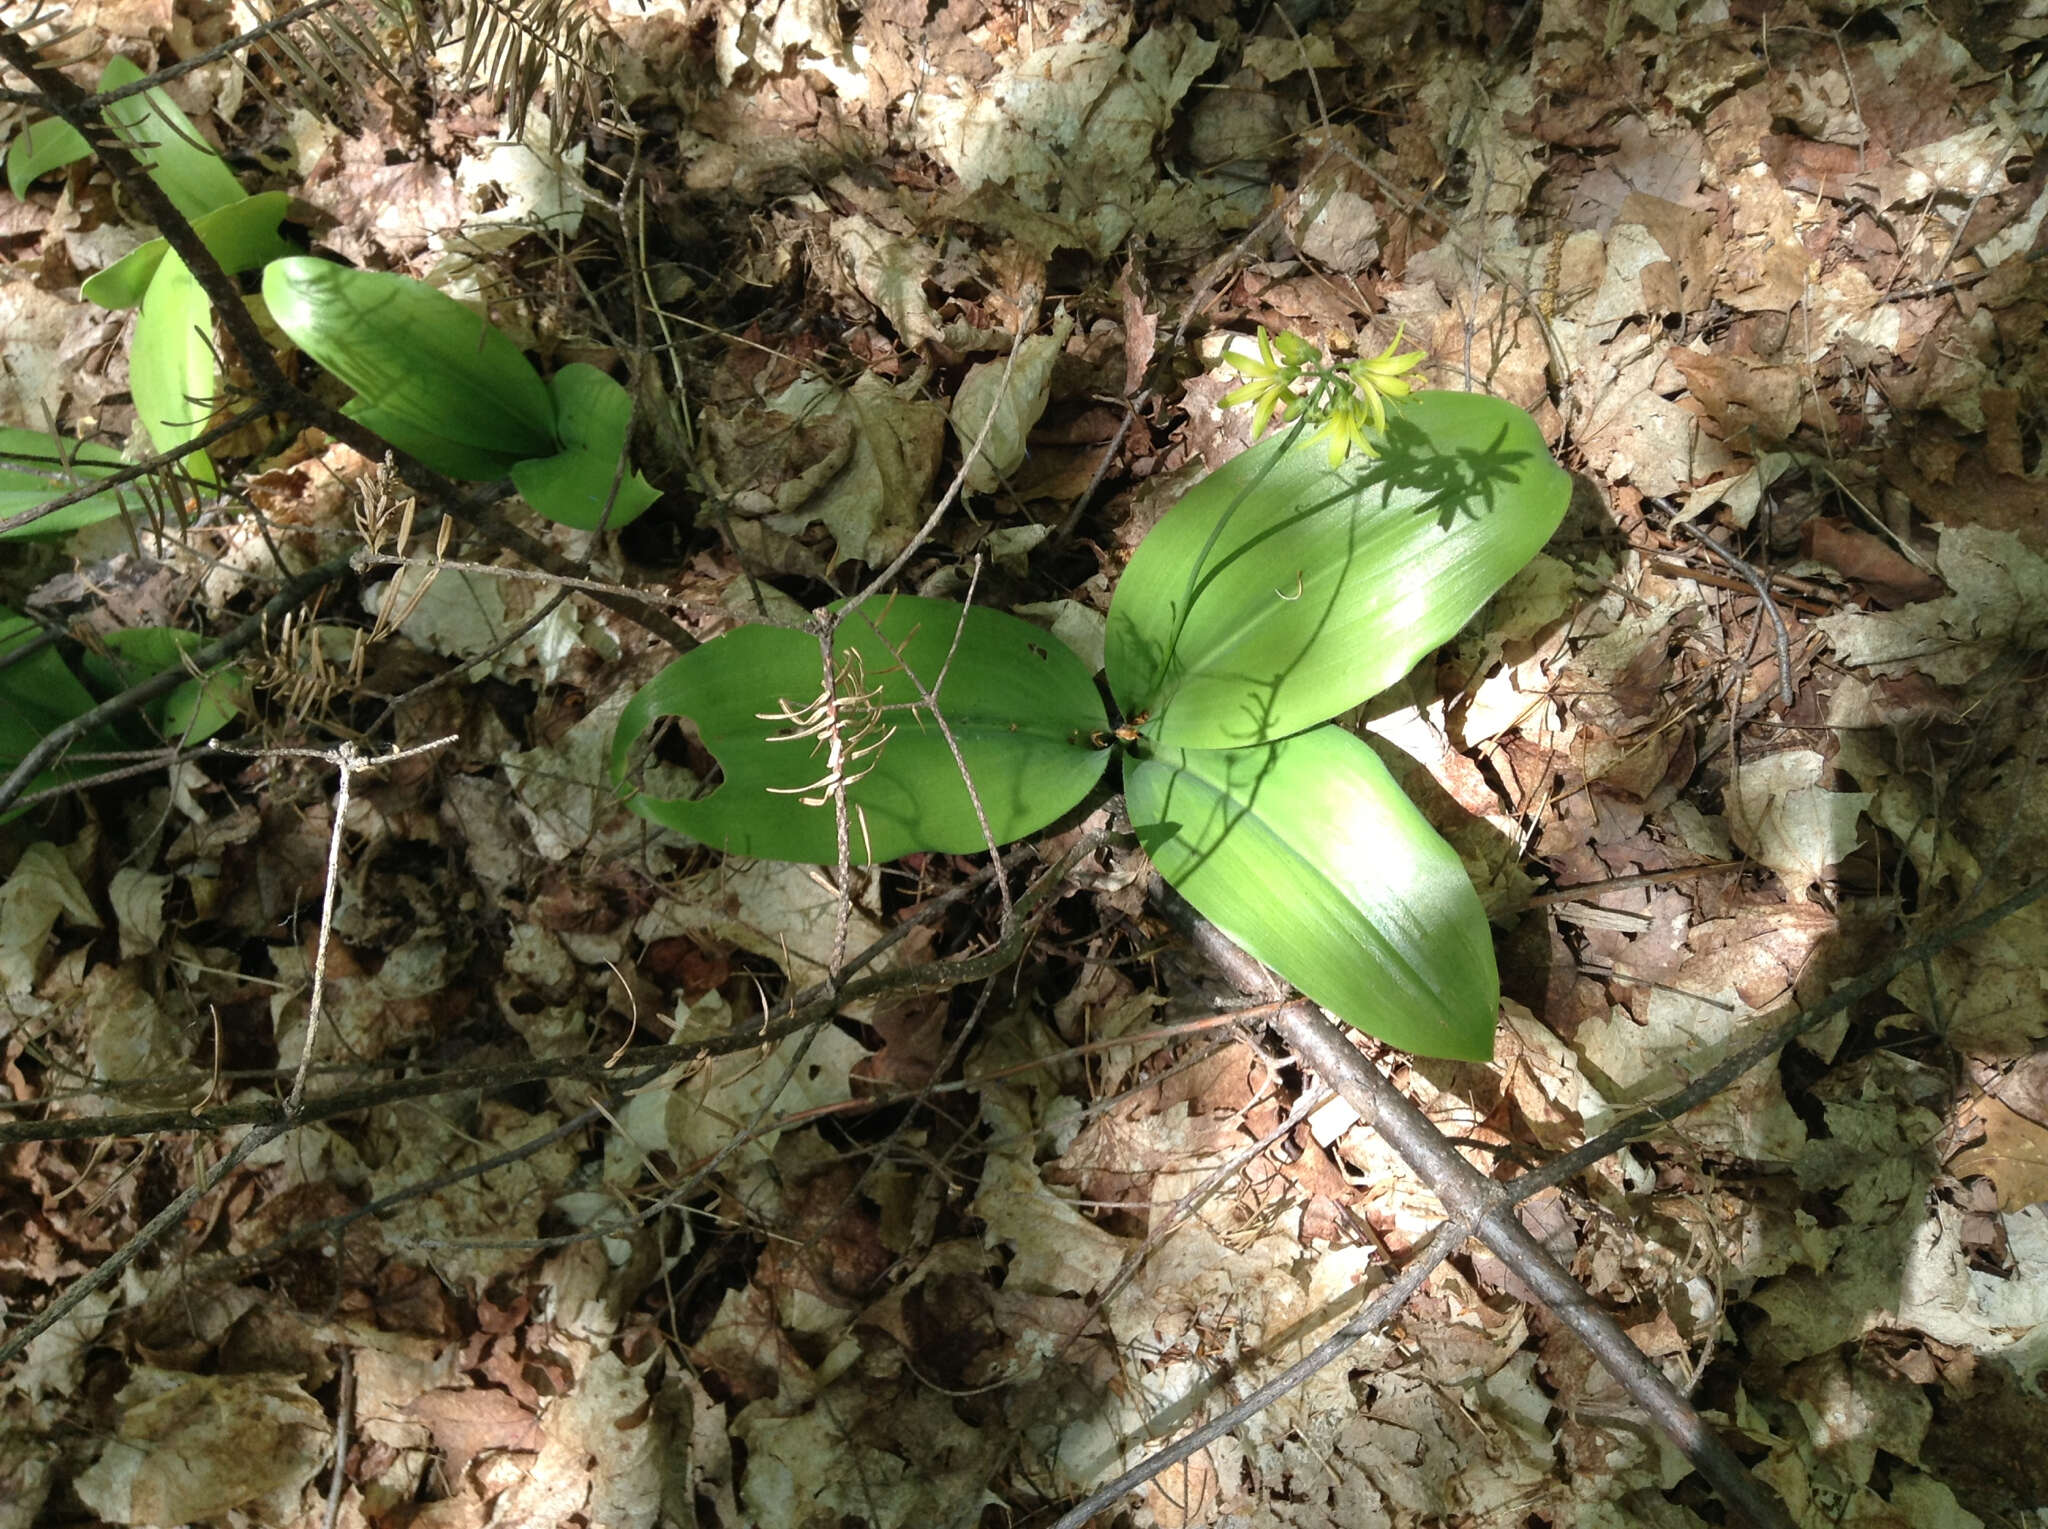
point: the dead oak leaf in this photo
(2013, 1154)
(466, 1424)
(1869, 562)
(1779, 813)
(1741, 395)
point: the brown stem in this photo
(1475, 1200)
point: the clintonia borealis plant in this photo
(440, 381)
(431, 376)
(1288, 586)
(172, 369)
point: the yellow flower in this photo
(1350, 400)
(1379, 378)
(1271, 380)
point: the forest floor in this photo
(1765, 274)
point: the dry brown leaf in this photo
(2013, 1153)
(1744, 397)
(192, 1447)
(466, 1423)
(1869, 561)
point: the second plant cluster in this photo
(430, 375)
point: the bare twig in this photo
(1485, 1206)
(183, 66)
(295, 592)
(954, 489)
(1473, 1198)
(92, 488)
(1797, 1022)
(1206, 288)
(105, 1273)
(344, 1417)
(1423, 1262)
(788, 1018)
(1470, 1196)
(1758, 581)
(349, 764)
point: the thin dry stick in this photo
(826, 626)
(183, 66)
(953, 490)
(1205, 289)
(92, 488)
(344, 1415)
(1487, 1208)
(366, 559)
(1471, 1196)
(350, 764)
(834, 991)
(793, 1015)
(929, 700)
(1439, 1245)
(1647, 1121)
(1310, 1101)
(1758, 581)
(117, 1261)
(294, 593)
(159, 759)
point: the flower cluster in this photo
(1349, 400)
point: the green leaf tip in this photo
(590, 481)
(1307, 854)
(433, 377)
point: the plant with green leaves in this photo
(173, 369)
(41, 691)
(1288, 586)
(432, 376)
(438, 380)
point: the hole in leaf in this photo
(679, 743)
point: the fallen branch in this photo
(1483, 1205)
(1483, 1209)
(1800, 1022)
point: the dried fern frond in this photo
(516, 47)
(324, 50)
(47, 27)
(322, 53)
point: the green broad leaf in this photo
(38, 693)
(1018, 702)
(241, 236)
(1308, 855)
(170, 146)
(200, 708)
(1281, 591)
(431, 376)
(462, 462)
(574, 487)
(171, 364)
(35, 468)
(126, 282)
(42, 147)
(192, 713)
